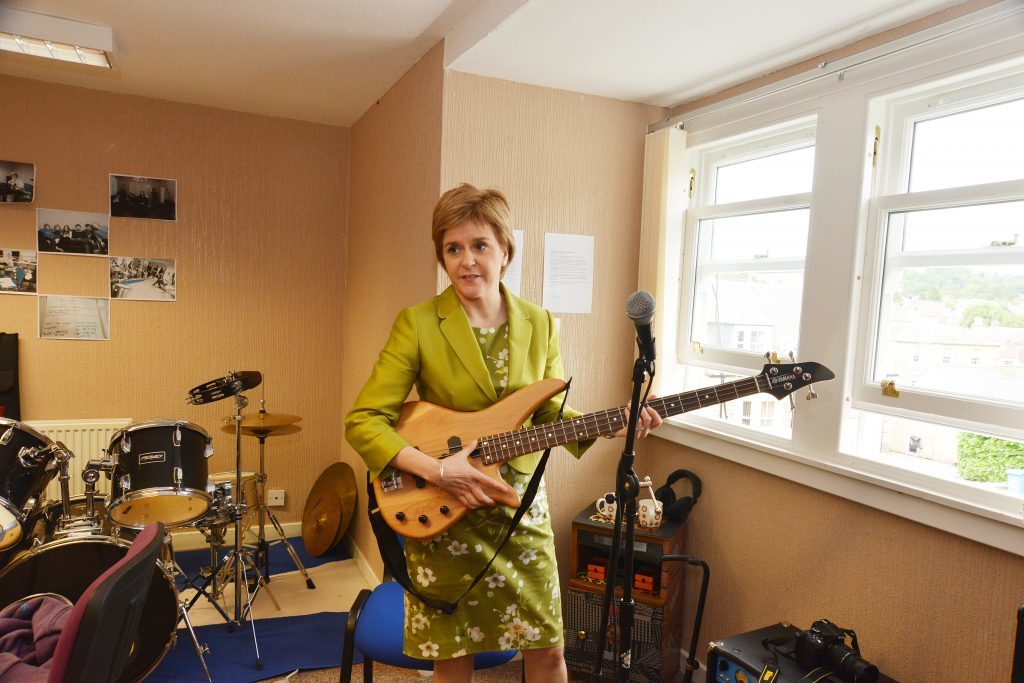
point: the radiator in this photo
(87, 439)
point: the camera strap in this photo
(770, 673)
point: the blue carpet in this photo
(192, 561)
(286, 643)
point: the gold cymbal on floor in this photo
(320, 522)
(337, 481)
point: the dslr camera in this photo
(824, 646)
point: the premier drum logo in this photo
(149, 458)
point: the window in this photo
(948, 281)
(871, 222)
(748, 232)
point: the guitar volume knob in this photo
(423, 519)
(445, 510)
(400, 516)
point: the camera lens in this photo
(855, 669)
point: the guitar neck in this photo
(501, 447)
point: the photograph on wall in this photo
(142, 279)
(137, 197)
(72, 232)
(74, 317)
(18, 271)
(17, 182)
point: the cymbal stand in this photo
(262, 546)
(239, 556)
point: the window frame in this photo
(891, 195)
(788, 135)
(836, 265)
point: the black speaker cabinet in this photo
(657, 593)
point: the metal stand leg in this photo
(291, 550)
(242, 561)
(264, 513)
(200, 649)
(172, 568)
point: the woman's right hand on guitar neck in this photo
(453, 475)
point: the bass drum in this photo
(68, 566)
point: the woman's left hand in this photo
(649, 421)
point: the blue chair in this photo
(376, 627)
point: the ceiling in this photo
(327, 61)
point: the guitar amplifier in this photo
(583, 622)
(746, 658)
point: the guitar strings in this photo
(498, 444)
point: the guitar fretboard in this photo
(501, 447)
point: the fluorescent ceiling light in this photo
(55, 38)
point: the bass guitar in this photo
(416, 509)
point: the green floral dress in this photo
(517, 604)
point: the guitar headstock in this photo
(782, 379)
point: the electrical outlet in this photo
(275, 497)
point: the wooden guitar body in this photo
(417, 509)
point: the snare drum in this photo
(68, 566)
(21, 483)
(221, 488)
(159, 474)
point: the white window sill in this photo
(963, 518)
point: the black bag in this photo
(10, 400)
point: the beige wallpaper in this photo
(259, 245)
(569, 163)
(395, 183)
(926, 605)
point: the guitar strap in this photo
(394, 556)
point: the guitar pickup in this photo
(392, 482)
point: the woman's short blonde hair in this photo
(467, 203)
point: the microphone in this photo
(640, 308)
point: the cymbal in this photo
(263, 420)
(320, 522)
(263, 432)
(339, 480)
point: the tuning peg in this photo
(811, 393)
(792, 358)
(792, 403)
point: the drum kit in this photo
(158, 472)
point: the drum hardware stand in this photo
(233, 385)
(63, 457)
(174, 569)
(237, 558)
(262, 546)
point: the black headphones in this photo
(678, 510)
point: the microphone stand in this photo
(627, 488)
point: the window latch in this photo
(1006, 243)
(889, 388)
